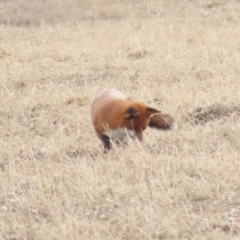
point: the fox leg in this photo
(106, 142)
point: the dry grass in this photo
(55, 181)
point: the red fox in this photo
(116, 118)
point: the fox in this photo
(117, 119)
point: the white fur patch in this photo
(120, 134)
(174, 125)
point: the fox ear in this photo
(152, 111)
(131, 113)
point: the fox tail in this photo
(162, 121)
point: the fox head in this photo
(137, 118)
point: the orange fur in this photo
(112, 112)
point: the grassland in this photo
(182, 57)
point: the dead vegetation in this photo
(55, 181)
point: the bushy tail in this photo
(163, 122)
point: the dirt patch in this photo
(212, 112)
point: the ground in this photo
(181, 57)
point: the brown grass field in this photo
(180, 56)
